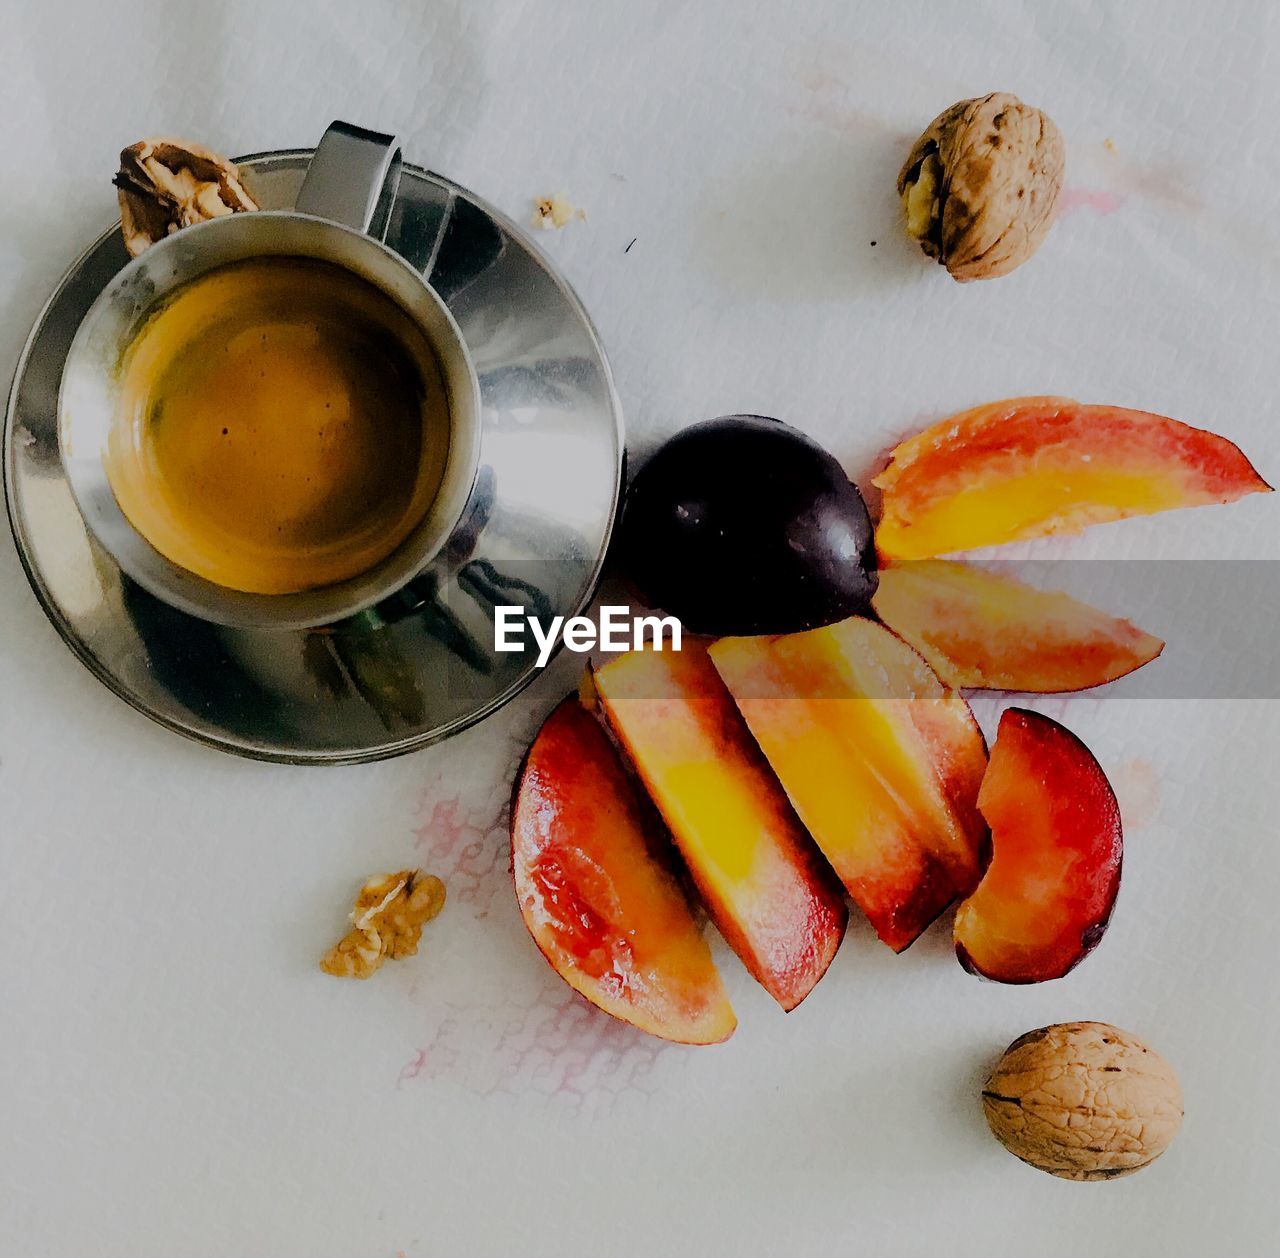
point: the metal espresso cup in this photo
(344, 200)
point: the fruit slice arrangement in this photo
(794, 754)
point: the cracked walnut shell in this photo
(386, 921)
(1083, 1101)
(981, 183)
(165, 185)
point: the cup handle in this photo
(352, 178)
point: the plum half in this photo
(1046, 898)
(598, 892)
(744, 525)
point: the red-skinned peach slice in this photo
(855, 821)
(1046, 898)
(597, 893)
(881, 762)
(984, 631)
(919, 736)
(764, 883)
(1034, 466)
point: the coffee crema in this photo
(284, 426)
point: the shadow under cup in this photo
(97, 420)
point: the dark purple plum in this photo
(743, 525)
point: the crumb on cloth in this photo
(554, 212)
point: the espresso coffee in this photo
(285, 425)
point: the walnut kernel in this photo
(386, 922)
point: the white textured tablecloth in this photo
(176, 1075)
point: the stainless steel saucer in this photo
(421, 665)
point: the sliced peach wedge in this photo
(881, 761)
(1046, 898)
(1034, 466)
(898, 884)
(764, 883)
(598, 892)
(984, 631)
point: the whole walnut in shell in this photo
(1084, 1101)
(981, 183)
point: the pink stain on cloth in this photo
(543, 1039)
(1099, 200)
(1137, 787)
(556, 1046)
(469, 852)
